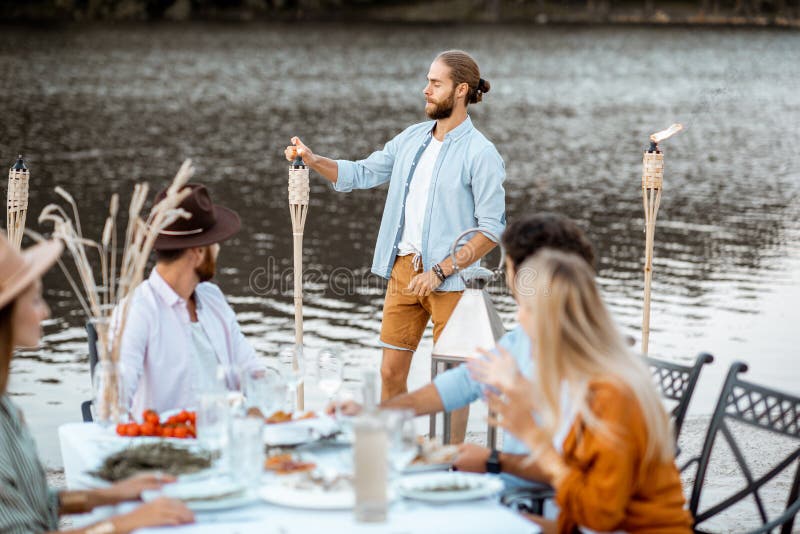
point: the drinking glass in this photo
(330, 370)
(403, 447)
(246, 461)
(292, 368)
(213, 418)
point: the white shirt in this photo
(158, 352)
(417, 200)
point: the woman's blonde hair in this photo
(575, 340)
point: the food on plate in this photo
(284, 417)
(162, 456)
(434, 453)
(286, 463)
(181, 425)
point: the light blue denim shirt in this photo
(466, 191)
(457, 389)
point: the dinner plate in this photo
(416, 468)
(299, 432)
(287, 494)
(206, 495)
(449, 487)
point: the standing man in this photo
(444, 177)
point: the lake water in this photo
(97, 109)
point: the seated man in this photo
(179, 327)
(455, 388)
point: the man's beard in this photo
(444, 108)
(206, 270)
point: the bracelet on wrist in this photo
(439, 272)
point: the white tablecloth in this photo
(84, 445)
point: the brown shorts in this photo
(405, 316)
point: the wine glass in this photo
(292, 369)
(264, 389)
(330, 372)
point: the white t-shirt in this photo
(417, 200)
(205, 362)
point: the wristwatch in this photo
(493, 463)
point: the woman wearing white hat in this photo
(26, 503)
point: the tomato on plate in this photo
(132, 430)
(151, 416)
(181, 432)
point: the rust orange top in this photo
(609, 486)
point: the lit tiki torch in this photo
(652, 181)
(17, 202)
(298, 207)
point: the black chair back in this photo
(91, 334)
(676, 382)
(763, 408)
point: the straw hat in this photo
(210, 223)
(19, 270)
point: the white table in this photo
(84, 445)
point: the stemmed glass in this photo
(264, 389)
(330, 372)
(293, 370)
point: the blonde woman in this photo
(26, 503)
(616, 471)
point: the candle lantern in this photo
(17, 202)
(652, 184)
(474, 323)
(298, 208)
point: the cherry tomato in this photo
(181, 432)
(151, 416)
(121, 428)
(183, 416)
(133, 430)
(148, 429)
(193, 418)
(168, 432)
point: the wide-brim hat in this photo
(209, 223)
(18, 270)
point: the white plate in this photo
(474, 486)
(284, 494)
(413, 469)
(206, 496)
(299, 432)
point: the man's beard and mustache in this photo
(206, 270)
(442, 109)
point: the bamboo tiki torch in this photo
(17, 202)
(298, 207)
(652, 181)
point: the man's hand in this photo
(131, 488)
(472, 458)
(156, 513)
(424, 284)
(298, 148)
(347, 407)
(496, 370)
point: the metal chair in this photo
(762, 408)
(675, 382)
(91, 333)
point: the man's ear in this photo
(462, 91)
(197, 255)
